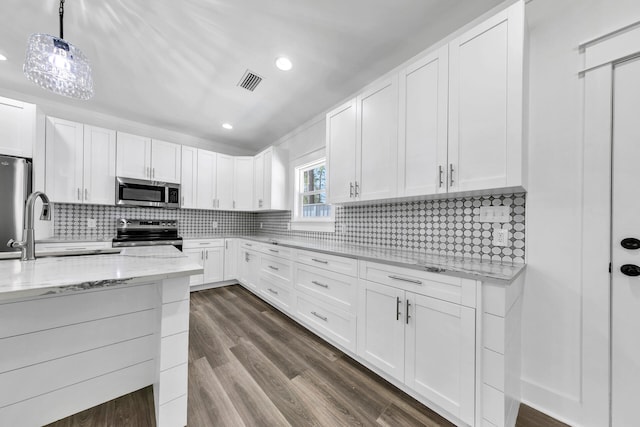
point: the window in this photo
(311, 210)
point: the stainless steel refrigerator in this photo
(15, 187)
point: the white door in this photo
(197, 256)
(133, 156)
(440, 353)
(99, 176)
(206, 190)
(479, 81)
(377, 137)
(189, 177)
(214, 264)
(380, 338)
(625, 288)
(64, 145)
(422, 133)
(224, 182)
(243, 184)
(165, 161)
(230, 259)
(341, 153)
(258, 181)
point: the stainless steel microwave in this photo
(139, 192)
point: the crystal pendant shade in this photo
(56, 65)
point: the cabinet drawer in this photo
(447, 288)
(72, 246)
(336, 325)
(275, 292)
(276, 266)
(203, 243)
(348, 266)
(336, 289)
(250, 245)
(275, 250)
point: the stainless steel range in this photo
(144, 232)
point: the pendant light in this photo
(56, 65)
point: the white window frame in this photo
(298, 222)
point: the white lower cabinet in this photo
(249, 268)
(230, 259)
(210, 255)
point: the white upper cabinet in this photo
(270, 179)
(189, 177)
(80, 163)
(142, 158)
(206, 185)
(486, 104)
(17, 128)
(341, 153)
(224, 182)
(243, 183)
(165, 161)
(422, 132)
(377, 141)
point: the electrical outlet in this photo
(92, 223)
(214, 224)
(500, 237)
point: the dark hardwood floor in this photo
(251, 365)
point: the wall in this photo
(553, 373)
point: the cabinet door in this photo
(485, 105)
(133, 156)
(249, 269)
(206, 190)
(230, 259)
(224, 182)
(243, 184)
(341, 153)
(376, 171)
(64, 147)
(165, 161)
(258, 181)
(214, 264)
(195, 255)
(422, 133)
(381, 327)
(440, 354)
(99, 176)
(17, 124)
(189, 177)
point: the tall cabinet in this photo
(270, 179)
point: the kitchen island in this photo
(81, 330)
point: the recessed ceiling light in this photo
(2, 57)
(227, 126)
(284, 63)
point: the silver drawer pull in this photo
(274, 268)
(248, 244)
(321, 261)
(274, 251)
(206, 243)
(322, 285)
(319, 316)
(75, 249)
(404, 279)
(272, 291)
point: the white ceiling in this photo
(176, 64)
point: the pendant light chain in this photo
(61, 13)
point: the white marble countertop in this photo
(54, 275)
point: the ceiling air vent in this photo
(250, 80)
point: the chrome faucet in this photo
(28, 243)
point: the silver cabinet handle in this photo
(182, 201)
(407, 316)
(274, 251)
(234, 204)
(248, 244)
(321, 261)
(351, 189)
(147, 172)
(440, 173)
(322, 285)
(153, 172)
(207, 252)
(79, 198)
(205, 243)
(357, 192)
(451, 174)
(213, 203)
(404, 279)
(272, 291)
(202, 255)
(398, 308)
(274, 268)
(217, 203)
(246, 256)
(86, 194)
(319, 316)
(226, 244)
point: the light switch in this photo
(499, 214)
